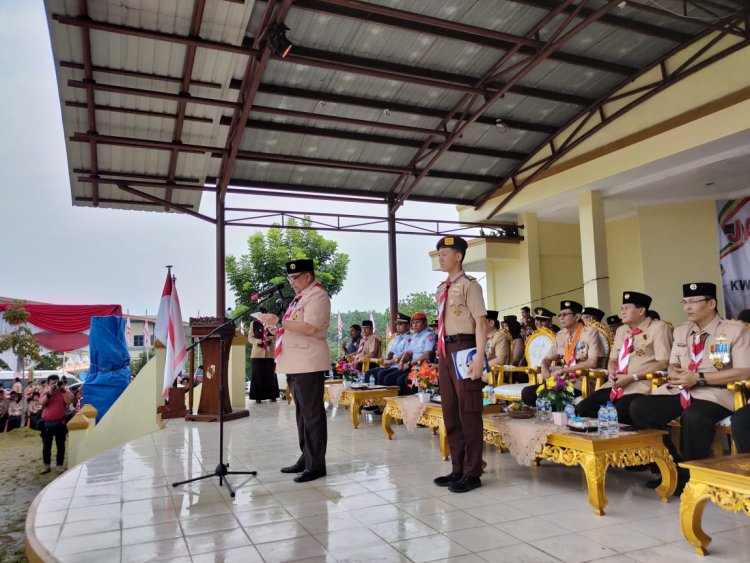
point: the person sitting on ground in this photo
(642, 345)
(355, 333)
(699, 371)
(497, 348)
(54, 405)
(516, 347)
(577, 346)
(397, 347)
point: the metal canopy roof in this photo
(433, 101)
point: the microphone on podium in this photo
(269, 291)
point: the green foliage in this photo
(4, 366)
(139, 363)
(264, 264)
(423, 301)
(20, 341)
(53, 360)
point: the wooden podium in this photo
(213, 375)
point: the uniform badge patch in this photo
(430, 338)
(719, 365)
(640, 352)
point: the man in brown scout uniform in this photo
(708, 353)
(613, 323)
(577, 346)
(642, 345)
(497, 348)
(592, 314)
(369, 346)
(461, 325)
(302, 354)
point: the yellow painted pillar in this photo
(530, 254)
(593, 249)
(237, 372)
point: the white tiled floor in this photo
(376, 504)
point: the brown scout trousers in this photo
(462, 414)
(312, 426)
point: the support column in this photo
(594, 249)
(530, 254)
(221, 305)
(392, 265)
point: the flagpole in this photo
(146, 325)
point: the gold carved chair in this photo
(538, 344)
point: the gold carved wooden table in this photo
(725, 481)
(356, 399)
(432, 418)
(595, 455)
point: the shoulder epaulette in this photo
(470, 278)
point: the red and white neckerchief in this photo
(361, 347)
(441, 315)
(697, 346)
(623, 360)
(289, 310)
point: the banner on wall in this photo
(734, 253)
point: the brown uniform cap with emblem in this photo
(573, 306)
(637, 299)
(456, 243)
(298, 266)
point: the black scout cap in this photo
(297, 266)
(510, 319)
(542, 313)
(367, 323)
(598, 314)
(574, 306)
(637, 299)
(699, 289)
(456, 243)
(492, 315)
(613, 320)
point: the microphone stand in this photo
(222, 469)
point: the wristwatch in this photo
(701, 379)
(635, 377)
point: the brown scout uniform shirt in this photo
(738, 337)
(463, 306)
(370, 348)
(257, 351)
(654, 344)
(588, 345)
(497, 347)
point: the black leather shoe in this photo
(308, 475)
(296, 468)
(466, 484)
(447, 480)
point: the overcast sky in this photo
(54, 252)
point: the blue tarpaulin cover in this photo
(109, 372)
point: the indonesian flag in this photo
(388, 332)
(340, 326)
(372, 320)
(128, 330)
(170, 332)
(146, 335)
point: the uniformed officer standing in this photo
(302, 354)
(708, 353)
(642, 345)
(577, 346)
(462, 325)
(497, 348)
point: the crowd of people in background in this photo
(20, 406)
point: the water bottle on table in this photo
(613, 428)
(372, 380)
(603, 419)
(570, 410)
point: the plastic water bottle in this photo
(540, 408)
(372, 380)
(603, 419)
(570, 410)
(613, 426)
(490, 395)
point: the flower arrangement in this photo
(558, 389)
(348, 371)
(424, 378)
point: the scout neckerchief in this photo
(623, 360)
(289, 310)
(570, 345)
(697, 346)
(361, 347)
(441, 314)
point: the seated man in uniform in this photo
(708, 353)
(369, 346)
(543, 318)
(642, 345)
(355, 332)
(613, 323)
(592, 314)
(434, 325)
(577, 346)
(397, 347)
(497, 349)
(420, 350)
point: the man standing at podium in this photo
(302, 354)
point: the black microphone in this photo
(269, 291)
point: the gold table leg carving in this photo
(692, 502)
(354, 411)
(595, 469)
(386, 422)
(668, 470)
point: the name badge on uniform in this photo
(719, 352)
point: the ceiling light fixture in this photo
(500, 124)
(277, 40)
